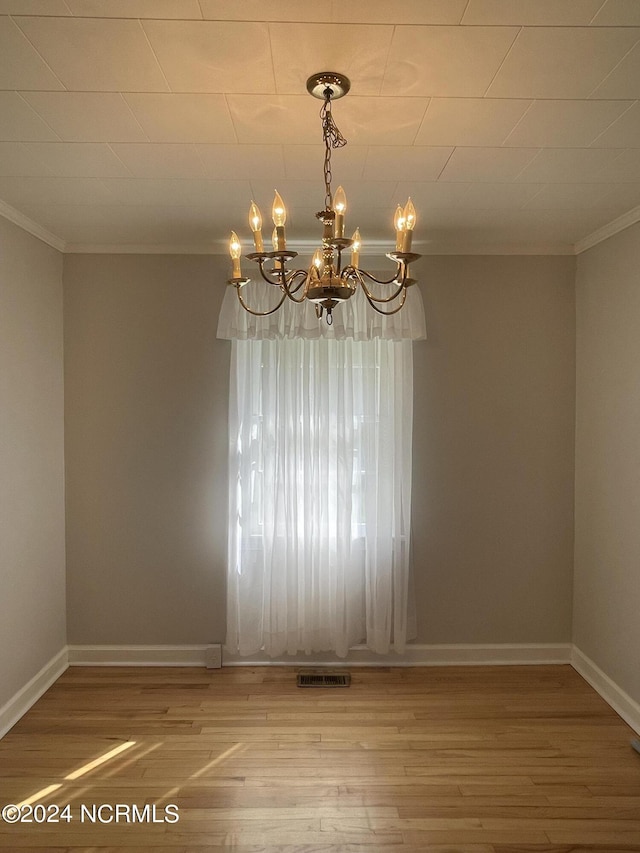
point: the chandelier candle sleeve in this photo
(277, 262)
(235, 250)
(355, 248)
(255, 223)
(399, 224)
(339, 208)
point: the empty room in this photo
(320, 426)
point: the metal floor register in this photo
(317, 678)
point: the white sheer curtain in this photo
(320, 491)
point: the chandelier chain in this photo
(332, 139)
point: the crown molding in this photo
(32, 227)
(609, 230)
(139, 249)
(27, 224)
(168, 249)
(499, 249)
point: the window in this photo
(320, 494)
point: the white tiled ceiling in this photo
(513, 124)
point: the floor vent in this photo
(324, 679)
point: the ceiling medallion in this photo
(328, 281)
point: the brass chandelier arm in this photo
(283, 278)
(360, 274)
(259, 313)
(386, 313)
(277, 281)
(393, 280)
(302, 275)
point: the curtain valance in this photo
(352, 319)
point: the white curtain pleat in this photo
(320, 495)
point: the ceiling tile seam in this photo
(417, 133)
(386, 59)
(600, 9)
(36, 113)
(592, 144)
(32, 15)
(621, 153)
(33, 47)
(332, 9)
(540, 189)
(459, 203)
(135, 118)
(273, 65)
(515, 126)
(465, 10)
(363, 170)
(453, 151)
(196, 147)
(615, 67)
(504, 59)
(119, 159)
(527, 164)
(153, 53)
(105, 187)
(230, 114)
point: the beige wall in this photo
(32, 598)
(146, 443)
(607, 550)
(493, 450)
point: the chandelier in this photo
(328, 280)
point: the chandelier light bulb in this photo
(356, 245)
(279, 213)
(235, 250)
(339, 208)
(255, 223)
(235, 247)
(409, 214)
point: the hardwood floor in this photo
(473, 759)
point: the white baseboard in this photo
(140, 655)
(415, 655)
(614, 695)
(28, 695)
(419, 654)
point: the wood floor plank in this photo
(444, 760)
